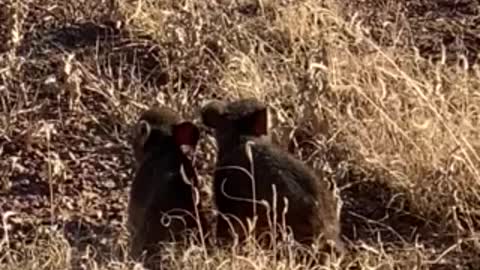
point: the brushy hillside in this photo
(384, 96)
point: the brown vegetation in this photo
(382, 96)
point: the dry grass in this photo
(362, 95)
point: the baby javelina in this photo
(244, 146)
(162, 184)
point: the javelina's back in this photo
(162, 184)
(243, 142)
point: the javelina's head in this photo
(161, 130)
(235, 120)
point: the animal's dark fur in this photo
(311, 202)
(159, 186)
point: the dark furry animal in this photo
(161, 204)
(244, 146)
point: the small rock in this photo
(110, 184)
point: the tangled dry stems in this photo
(393, 123)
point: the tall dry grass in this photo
(397, 131)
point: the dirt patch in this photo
(427, 25)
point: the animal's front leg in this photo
(137, 230)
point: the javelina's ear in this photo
(186, 133)
(141, 132)
(212, 113)
(259, 122)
